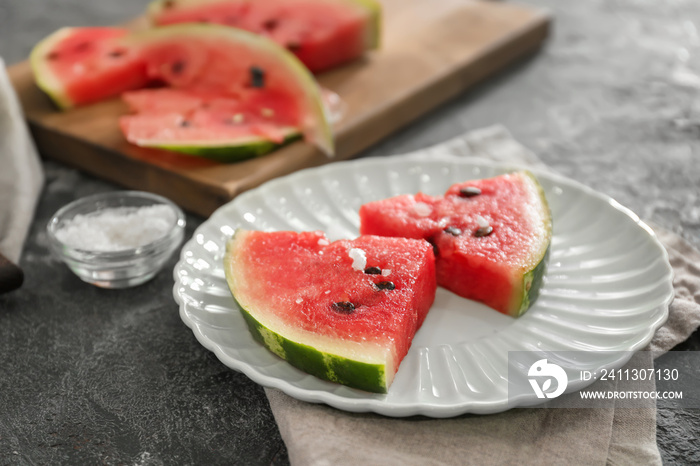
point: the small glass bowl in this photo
(123, 268)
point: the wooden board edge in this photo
(522, 43)
(193, 196)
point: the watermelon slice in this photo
(491, 236)
(345, 311)
(253, 95)
(321, 33)
(208, 125)
(78, 66)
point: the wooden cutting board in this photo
(431, 51)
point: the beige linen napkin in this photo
(316, 434)
(21, 175)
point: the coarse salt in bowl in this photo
(118, 239)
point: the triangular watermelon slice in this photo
(345, 311)
(321, 33)
(491, 236)
(275, 96)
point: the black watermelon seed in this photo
(177, 67)
(373, 270)
(293, 46)
(385, 285)
(117, 53)
(344, 307)
(52, 56)
(454, 231)
(436, 251)
(270, 24)
(185, 123)
(483, 231)
(469, 191)
(257, 77)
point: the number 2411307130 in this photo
(631, 374)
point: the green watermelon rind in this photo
(227, 151)
(373, 39)
(532, 279)
(334, 368)
(532, 282)
(43, 76)
(326, 366)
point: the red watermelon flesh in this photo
(84, 65)
(321, 33)
(209, 64)
(490, 247)
(323, 309)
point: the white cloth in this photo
(21, 175)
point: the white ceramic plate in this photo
(606, 289)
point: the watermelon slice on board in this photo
(79, 66)
(321, 33)
(204, 124)
(253, 95)
(345, 311)
(491, 236)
